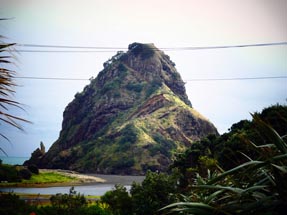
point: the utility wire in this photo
(112, 49)
(189, 80)
(226, 47)
(51, 78)
(66, 46)
(236, 79)
(62, 51)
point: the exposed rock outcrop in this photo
(132, 117)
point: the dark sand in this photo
(118, 179)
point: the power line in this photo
(66, 46)
(52, 78)
(189, 80)
(63, 51)
(226, 47)
(113, 49)
(237, 79)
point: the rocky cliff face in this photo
(133, 117)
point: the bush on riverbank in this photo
(16, 173)
(61, 204)
(20, 176)
(8, 173)
(156, 191)
(11, 173)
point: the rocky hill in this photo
(132, 117)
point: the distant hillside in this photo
(133, 117)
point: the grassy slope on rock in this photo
(135, 117)
(143, 129)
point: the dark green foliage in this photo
(152, 87)
(142, 50)
(110, 86)
(188, 163)
(25, 173)
(163, 146)
(87, 210)
(119, 162)
(277, 117)
(62, 204)
(154, 192)
(124, 145)
(9, 173)
(122, 67)
(255, 185)
(137, 87)
(227, 149)
(33, 169)
(12, 173)
(70, 204)
(124, 162)
(129, 134)
(95, 210)
(157, 190)
(119, 200)
(119, 56)
(10, 204)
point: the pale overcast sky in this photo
(114, 23)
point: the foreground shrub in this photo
(34, 169)
(119, 200)
(25, 174)
(63, 204)
(10, 204)
(9, 173)
(71, 204)
(257, 186)
(156, 191)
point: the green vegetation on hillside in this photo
(143, 50)
(147, 141)
(133, 117)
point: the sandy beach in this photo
(79, 178)
(82, 178)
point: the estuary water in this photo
(93, 190)
(96, 189)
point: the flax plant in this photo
(254, 187)
(7, 85)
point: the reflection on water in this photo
(95, 190)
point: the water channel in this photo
(95, 189)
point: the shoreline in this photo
(80, 179)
